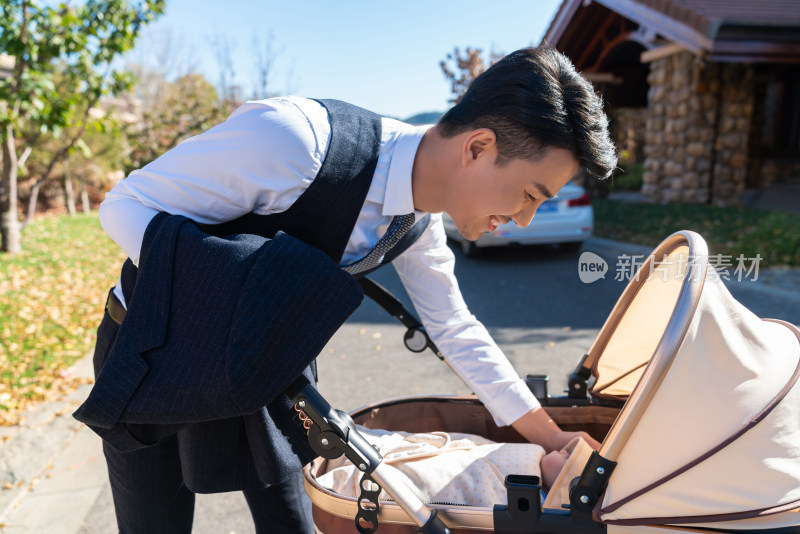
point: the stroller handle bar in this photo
(425, 518)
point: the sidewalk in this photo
(55, 475)
(778, 196)
(52, 467)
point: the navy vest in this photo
(325, 214)
(256, 449)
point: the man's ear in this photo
(480, 143)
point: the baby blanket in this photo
(441, 467)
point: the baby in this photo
(450, 468)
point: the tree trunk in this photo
(69, 195)
(87, 207)
(55, 159)
(32, 202)
(9, 222)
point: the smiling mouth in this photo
(495, 221)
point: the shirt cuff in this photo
(510, 404)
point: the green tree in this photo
(77, 44)
(86, 171)
(98, 152)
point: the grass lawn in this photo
(51, 301)
(773, 235)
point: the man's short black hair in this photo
(534, 99)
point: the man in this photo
(519, 134)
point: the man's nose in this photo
(524, 216)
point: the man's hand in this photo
(537, 427)
(562, 438)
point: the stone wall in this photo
(629, 127)
(697, 130)
(736, 111)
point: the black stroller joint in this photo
(524, 515)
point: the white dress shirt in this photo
(261, 160)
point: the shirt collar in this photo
(399, 199)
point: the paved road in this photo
(532, 301)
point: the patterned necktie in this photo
(397, 229)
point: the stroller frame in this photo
(332, 433)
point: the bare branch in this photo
(24, 157)
(265, 56)
(223, 50)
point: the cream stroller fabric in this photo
(441, 467)
(719, 442)
(710, 434)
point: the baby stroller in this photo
(696, 402)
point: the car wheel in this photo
(572, 246)
(469, 249)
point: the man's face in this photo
(488, 195)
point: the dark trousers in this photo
(150, 496)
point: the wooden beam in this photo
(602, 77)
(598, 38)
(608, 48)
(752, 58)
(756, 48)
(661, 52)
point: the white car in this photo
(567, 220)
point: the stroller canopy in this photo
(710, 432)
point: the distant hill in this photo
(428, 117)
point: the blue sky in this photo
(380, 55)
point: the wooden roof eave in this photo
(650, 20)
(755, 52)
(727, 39)
(560, 22)
(685, 35)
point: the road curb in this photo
(30, 449)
